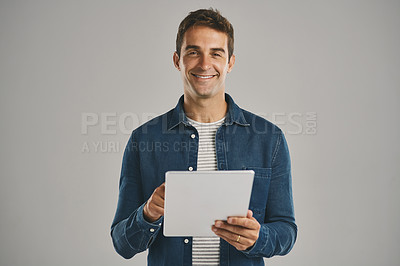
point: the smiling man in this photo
(205, 131)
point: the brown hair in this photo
(209, 18)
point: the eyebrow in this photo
(218, 50)
(198, 48)
(191, 47)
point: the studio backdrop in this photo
(76, 77)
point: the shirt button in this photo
(193, 136)
(186, 240)
(152, 230)
(190, 168)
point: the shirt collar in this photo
(234, 114)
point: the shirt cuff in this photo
(259, 244)
(150, 229)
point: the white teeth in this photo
(203, 77)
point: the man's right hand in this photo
(154, 207)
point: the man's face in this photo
(204, 62)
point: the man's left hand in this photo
(240, 232)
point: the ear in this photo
(175, 58)
(231, 63)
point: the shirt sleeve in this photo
(278, 233)
(130, 232)
(134, 234)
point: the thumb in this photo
(249, 214)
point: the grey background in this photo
(62, 59)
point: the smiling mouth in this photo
(203, 76)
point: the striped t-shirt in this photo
(205, 250)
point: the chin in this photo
(205, 94)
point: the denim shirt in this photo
(244, 141)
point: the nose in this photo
(205, 62)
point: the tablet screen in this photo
(194, 200)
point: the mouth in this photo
(203, 76)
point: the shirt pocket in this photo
(259, 193)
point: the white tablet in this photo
(194, 200)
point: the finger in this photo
(158, 199)
(230, 235)
(157, 202)
(156, 210)
(152, 212)
(245, 222)
(249, 213)
(237, 230)
(160, 191)
(162, 187)
(238, 246)
(243, 244)
(228, 227)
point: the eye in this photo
(216, 54)
(192, 53)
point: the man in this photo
(205, 131)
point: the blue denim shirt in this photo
(244, 141)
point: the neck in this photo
(205, 110)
